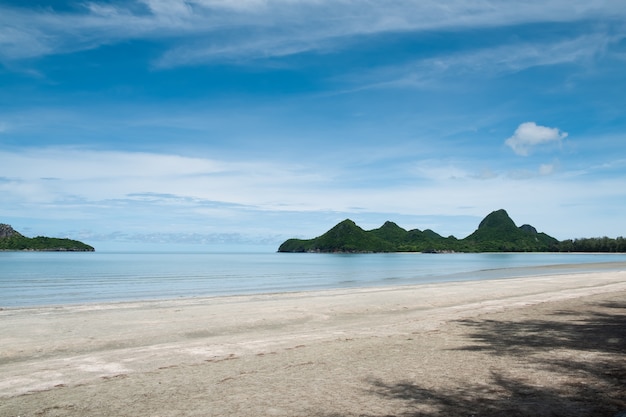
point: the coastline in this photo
(45, 279)
(359, 346)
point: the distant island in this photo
(11, 240)
(496, 233)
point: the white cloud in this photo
(529, 134)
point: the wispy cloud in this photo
(322, 27)
(437, 71)
(218, 29)
(128, 175)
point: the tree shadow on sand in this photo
(584, 355)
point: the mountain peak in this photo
(7, 231)
(528, 229)
(346, 224)
(497, 219)
(391, 227)
(390, 224)
(498, 232)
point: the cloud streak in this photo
(437, 71)
(131, 175)
(224, 29)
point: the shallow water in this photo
(52, 278)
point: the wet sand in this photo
(550, 345)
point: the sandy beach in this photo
(535, 346)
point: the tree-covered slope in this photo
(495, 233)
(13, 240)
(344, 237)
(498, 233)
(413, 240)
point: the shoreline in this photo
(491, 274)
(50, 356)
(464, 277)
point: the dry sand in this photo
(536, 346)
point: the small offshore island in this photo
(496, 233)
(11, 240)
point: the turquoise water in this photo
(49, 278)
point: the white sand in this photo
(344, 352)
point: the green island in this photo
(496, 233)
(11, 240)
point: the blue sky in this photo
(212, 123)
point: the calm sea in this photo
(50, 278)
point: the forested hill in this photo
(496, 233)
(11, 240)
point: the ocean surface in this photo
(52, 278)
